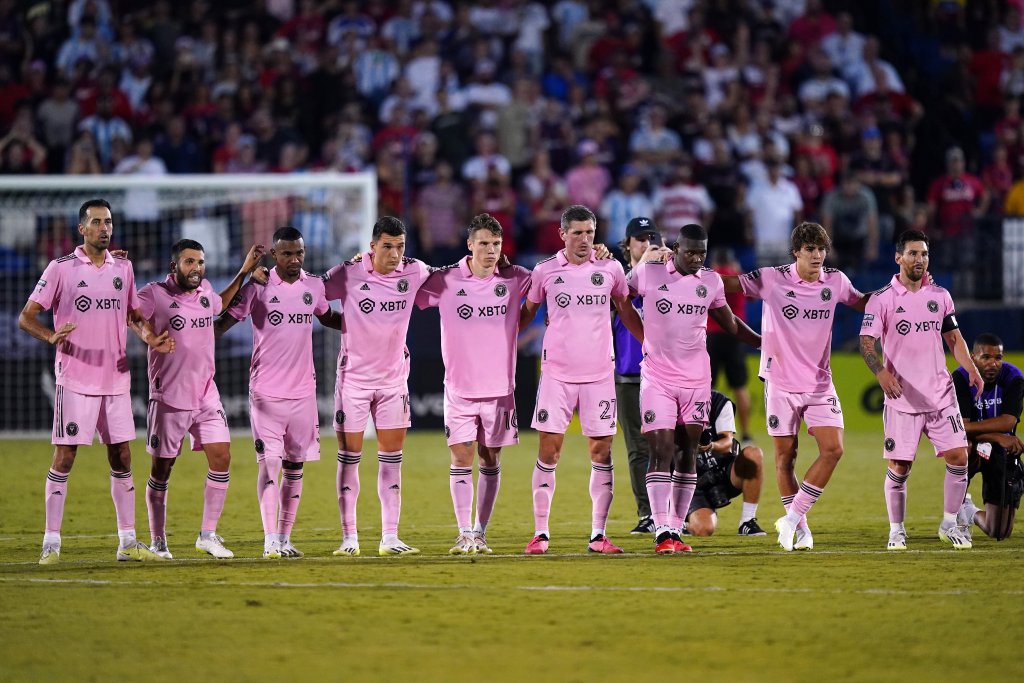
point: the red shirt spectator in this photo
(954, 197)
(813, 26)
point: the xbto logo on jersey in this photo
(663, 306)
(773, 421)
(933, 306)
(904, 327)
(649, 417)
(204, 302)
(826, 294)
(542, 416)
(702, 291)
(597, 279)
(260, 446)
(403, 285)
(465, 311)
(307, 298)
(563, 300)
(890, 445)
(177, 323)
(366, 305)
(154, 442)
(500, 290)
(118, 283)
(275, 318)
(84, 303)
(339, 417)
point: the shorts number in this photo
(956, 422)
(835, 405)
(405, 403)
(607, 409)
(702, 410)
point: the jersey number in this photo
(607, 409)
(835, 405)
(956, 422)
(702, 410)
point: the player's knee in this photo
(832, 453)
(489, 457)
(64, 458)
(600, 451)
(702, 525)
(119, 455)
(161, 469)
(956, 457)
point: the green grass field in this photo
(738, 609)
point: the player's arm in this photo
(162, 343)
(724, 316)
(331, 319)
(527, 313)
(955, 341)
(629, 316)
(28, 321)
(252, 260)
(870, 347)
(732, 284)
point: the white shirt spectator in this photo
(1010, 40)
(678, 205)
(533, 22)
(375, 71)
(644, 139)
(73, 50)
(440, 9)
(715, 82)
(141, 203)
(135, 88)
(817, 89)
(844, 51)
(488, 94)
(618, 208)
(673, 15)
(475, 168)
(863, 81)
(424, 76)
(773, 208)
(103, 132)
(568, 14)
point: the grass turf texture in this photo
(737, 609)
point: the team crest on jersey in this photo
(542, 416)
(177, 323)
(773, 421)
(403, 285)
(118, 284)
(826, 294)
(71, 428)
(204, 302)
(597, 279)
(154, 442)
(307, 298)
(649, 417)
(500, 289)
(260, 446)
(933, 306)
(890, 445)
(563, 300)
(702, 291)
(339, 417)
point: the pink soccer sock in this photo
(266, 492)
(55, 492)
(348, 489)
(156, 505)
(659, 492)
(786, 502)
(543, 492)
(122, 490)
(389, 490)
(602, 485)
(214, 495)
(683, 486)
(954, 488)
(487, 485)
(291, 494)
(896, 496)
(803, 500)
(460, 483)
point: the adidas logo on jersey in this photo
(559, 281)
(791, 294)
(275, 300)
(364, 288)
(174, 304)
(461, 292)
(82, 284)
(900, 310)
(663, 288)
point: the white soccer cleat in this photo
(480, 539)
(136, 551)
(465, 544)
(50, 554)
(290, 551)
(786, 533)
(958, 536)
(804, 539)
(349, 548)
(159, 548)
(965, 516)
(272, 550)
(214, 545)
(897, 539)
(396, 547)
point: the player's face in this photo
(913, 260)
(989, 360)
(289, 255)
(97, 227)
(189, 269)
(387, 253)
(690, 255)
(485, 248)
(810, 258)
(579, 238)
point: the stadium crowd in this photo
(743, 115)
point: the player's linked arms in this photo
(869, 347)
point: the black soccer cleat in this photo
(751, 528)
(644, 526)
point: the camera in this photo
(712, 474)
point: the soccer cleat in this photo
(664, 544)
(804, 539)
(136, 551)
(50, 554)
(213, 545)
(480, 539)
(538, 546)
(465, 544)
(349, 548)
(897, 539)
(159, 548)
(679, 545)
(396, 547)
(601, 544)
(965, 516)
(786, 533)
(958, 536)
(751, 528)
(272, 550)
(290, 551)
(644, 526)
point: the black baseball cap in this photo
(641, 225)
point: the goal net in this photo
(226, 214)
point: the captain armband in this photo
(949, 323)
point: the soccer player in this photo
(911, 318)
(377, 294)
(92, 295)
(799, 304)
(991, 419)
(577, 369)
(282, 382)
(479, 307)
(675, 378)
(183, 397)
(725, 469)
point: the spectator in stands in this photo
(845, 47)
(82, 45)
(621, 205)
(998, 178)
(441, 213)
(681, 201)
(588, 181)
(546, 197)
(104, 128)
(775, 207)
(655, 145)
(82, 157)
(956, 199)
(850, 215)
(178, 150)
(477, 167)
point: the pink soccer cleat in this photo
(538, 546)
(601, 544)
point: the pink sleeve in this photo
(871, 325)
(48, 286)
(851, 294)
(536, 292)
(320, 305)
(755, 283)
(146, 302)
(334, 282)
(430, 293)
(216, 304)
(719, 299)
(133, 295)
(241, 306)
(619, 287)
(524, 279)
(948, 301)
(635, 280)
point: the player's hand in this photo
(260, 275)
(601, 252)
(701, 448)
(253, 258)
(503, 261)
(928, 278)
(60, 335)
(656, 254)
(162, 343)
(976, 381)
(123, 253)
(890, 385)
(357, 257)
(1008, 442)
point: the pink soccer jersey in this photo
(479, 326)
(676, 322)
(377, 309)
(97, 300)
(910, 327)
(183, 379)
(796, 324)
(578, 340)
(282, 323)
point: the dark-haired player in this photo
(92, 295)
(912, 318)
(991, 419)
(183, 398)
(282, 382)
(377, 295)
